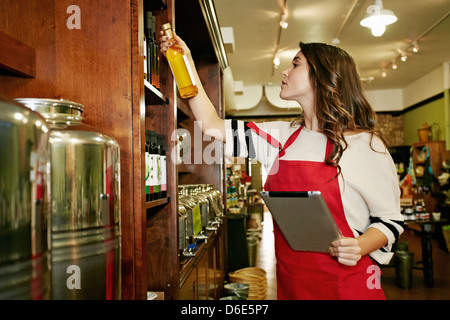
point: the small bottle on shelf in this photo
(162, 158)
(180, 67)
(156, 77)
(158, 167)
(147, 165)
(145, 59)
(149, 45)
(154, 188)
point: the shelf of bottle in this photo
(153, 95)
(156, 203)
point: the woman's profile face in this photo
(296, 84)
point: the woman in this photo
(335, 148)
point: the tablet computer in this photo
(304, 219)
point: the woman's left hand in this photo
(346, 250)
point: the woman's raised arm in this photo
(201, 106)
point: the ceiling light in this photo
(335, 41)
(378, 18)
(276, 62)
(284, 24)
(378, 30)
(394, 65)
(402, 55)
(415, 47)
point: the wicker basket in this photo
(255, 277)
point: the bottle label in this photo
(147, 173)
(188, 67)
(154, 183)
(163, 174)
(158, 174)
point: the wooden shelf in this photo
(16, 58)
(156, 203)
(153, 95)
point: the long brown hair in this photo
(340, 103)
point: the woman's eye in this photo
(295, 65)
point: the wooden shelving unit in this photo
(101, 66)
(16, 58)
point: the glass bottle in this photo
(147, 165)
(154, 158)
(180, 66)
(162, 157)
(149, 46)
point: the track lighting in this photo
(394, 65)
(403, 55)
(283, 26)
(276, 62)
(415, 47)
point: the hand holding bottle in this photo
(183, 68)
(174, 50)
(166, 43)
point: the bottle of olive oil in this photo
(180, 67)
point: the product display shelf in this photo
(197, 276)
(153, 95)
(202, 276)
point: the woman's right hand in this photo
(165, 44)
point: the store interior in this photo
(120, 185)
(410, 105)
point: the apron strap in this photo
(274, 142)
(290, 141)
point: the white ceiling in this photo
(256, 26)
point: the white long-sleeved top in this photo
(369, 185)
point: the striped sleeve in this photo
(392, 229)
(239, 139)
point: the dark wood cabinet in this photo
(100, 65)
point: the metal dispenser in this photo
(85, 204)
(24, 214)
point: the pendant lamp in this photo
(378, 18)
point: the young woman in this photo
(335, 148)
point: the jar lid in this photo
(53, 110)
(35, 103)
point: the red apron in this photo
(312, 275)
